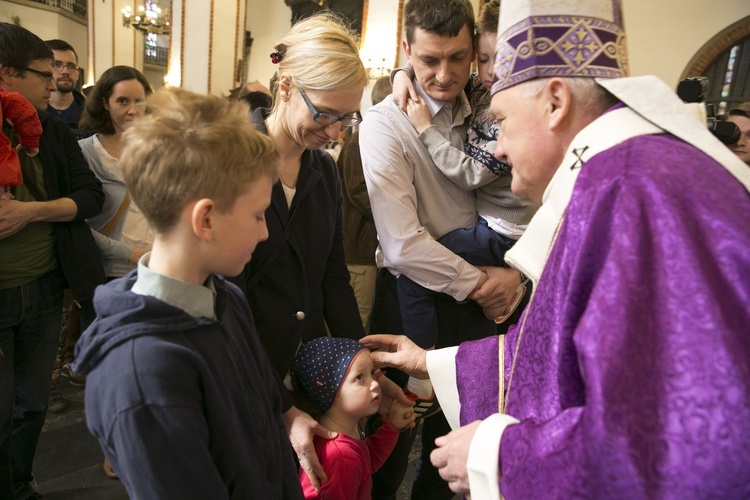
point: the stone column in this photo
(110, 42)
(207, 45)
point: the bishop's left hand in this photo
(451, 456)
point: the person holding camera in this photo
(740, 116)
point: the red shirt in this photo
(349, 464)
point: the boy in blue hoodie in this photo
(179, 392)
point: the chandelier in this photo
(148, 19)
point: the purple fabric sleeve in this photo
(632, 378)
(477, 368)
(476, 377)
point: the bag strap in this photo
(120, 211)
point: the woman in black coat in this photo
(297, 282)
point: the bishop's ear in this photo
(559, 99)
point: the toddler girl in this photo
(339, 378)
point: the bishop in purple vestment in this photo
(632, 377)
(629, 373)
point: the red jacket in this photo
(25, 120)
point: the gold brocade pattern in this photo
(503, 398)
(547, 46)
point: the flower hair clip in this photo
(278, 54)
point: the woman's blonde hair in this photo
(190, 147)
(321, 53)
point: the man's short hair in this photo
(257, 99)
(742, 109)
(190, 147)
(254, 86)
(19, 46)
(62, 45)
(442, 17)
(381, 89)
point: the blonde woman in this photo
(297, 281)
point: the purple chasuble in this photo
(632, 376)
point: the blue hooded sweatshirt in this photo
(184, 407)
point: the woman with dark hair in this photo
(120, 231)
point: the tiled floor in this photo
(68, 463)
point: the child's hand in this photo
(401, 416)
(419, 115)
(29, 151)
(403, 89)
(390, 392)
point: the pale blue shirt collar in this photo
(196, 300)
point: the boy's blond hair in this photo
(320, 53)
(191, 147)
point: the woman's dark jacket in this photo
(298, 283)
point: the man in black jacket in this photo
(67, 101)
(45, 246)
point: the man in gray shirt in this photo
(413, 204)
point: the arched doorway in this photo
(725, 62)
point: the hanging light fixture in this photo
(148, 19)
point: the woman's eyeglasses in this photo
(329, 118)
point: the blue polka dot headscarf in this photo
(320, 368)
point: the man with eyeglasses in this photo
(45, 246)
(67, 101)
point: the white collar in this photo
(530, 253)
(652, 108)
